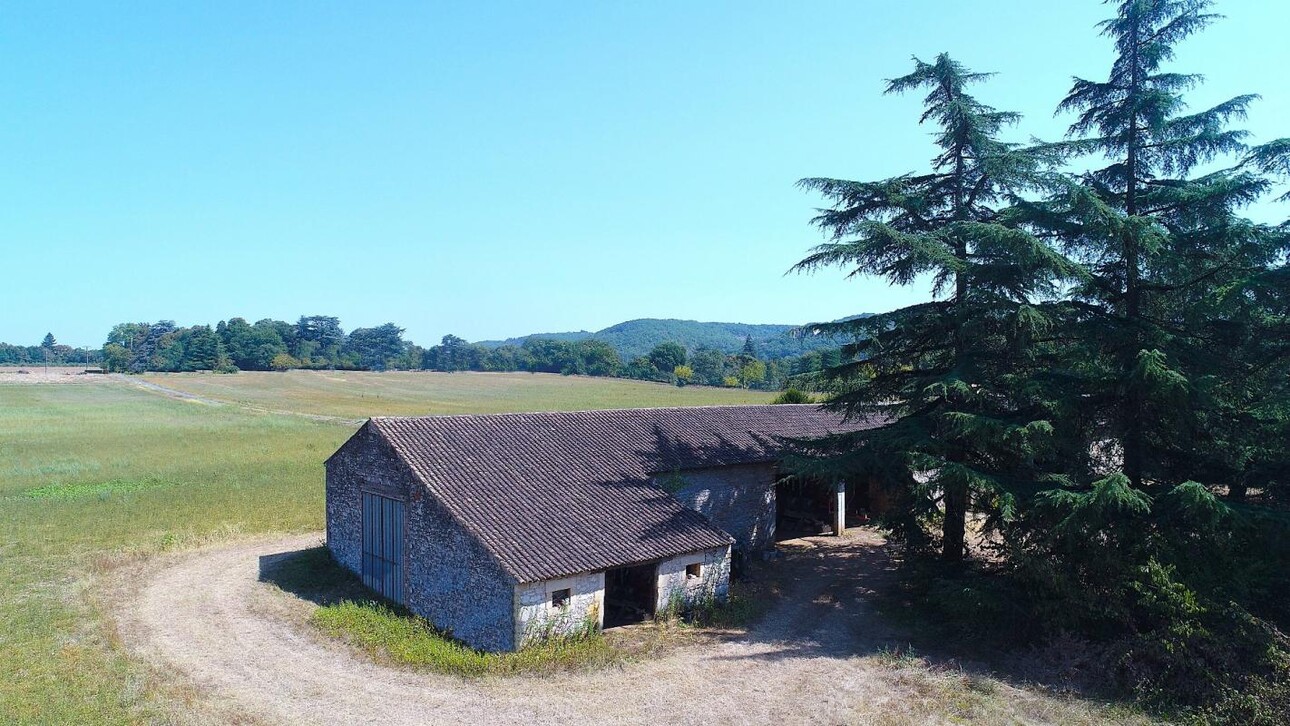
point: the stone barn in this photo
(503, 528)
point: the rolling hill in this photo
(637, 337)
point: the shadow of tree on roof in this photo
(673, 451)
(665, 465)
(671, 454)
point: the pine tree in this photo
(1156, 327)
(950, 373)
(204, 350)
(1168, 379)
(1247, 411)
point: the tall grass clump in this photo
(392, 633)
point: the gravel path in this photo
(206, 615)
(169, 392)
(164, 390)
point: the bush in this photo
(683, 374)
(1175, 588)
(393, 633)
(283, 362)
(792, 395)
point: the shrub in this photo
(684, 374)
(283, 362)
(392, 633)
(792, 395)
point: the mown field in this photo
(100, 471)
(420, 393)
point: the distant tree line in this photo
(318, 342)
(313, 341)
(49, 352)
(668, 362)
(635, 338)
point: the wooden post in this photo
(839, 508)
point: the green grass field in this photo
(359, 395)
(94, 470)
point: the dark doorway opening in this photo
(630, 594)
(803, 508)
(866, 499)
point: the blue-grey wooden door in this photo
(383, 546)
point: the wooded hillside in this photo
(635, 338)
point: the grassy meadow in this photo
(420, 393)
(97, 471)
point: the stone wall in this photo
(677, 588)
(453, 581)
(536, 617)
(739, 499)
(449, 578)
(364, 463)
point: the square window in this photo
(693, 572)
(560, 598)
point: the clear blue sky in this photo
(493, 169)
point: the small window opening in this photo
(693, 572)
(560, 598)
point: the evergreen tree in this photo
(148, 338)
(1156, 242)
(168, 352)
(949, 374)
(1168, 379)
(376, 347)
(452, 354)
(204, 350)
(319, 335)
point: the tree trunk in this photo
(956, 494)
(1133, 412)
(953, 544)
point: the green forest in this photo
(1086, 426)
(636, 338)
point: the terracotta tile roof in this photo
(559, 493)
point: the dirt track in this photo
(810, 660)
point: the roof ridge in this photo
(497, 414)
